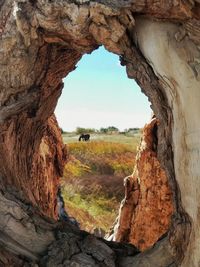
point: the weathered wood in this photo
(41, 42)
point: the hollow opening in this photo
(99, 101)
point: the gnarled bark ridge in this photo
(41, 42)
(145, 213)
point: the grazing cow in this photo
(84, 137)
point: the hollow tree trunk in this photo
(41, 42)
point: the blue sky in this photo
(99, 94)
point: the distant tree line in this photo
(109, 129)
(104, 130)
(81, 130)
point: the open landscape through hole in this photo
(99, 101)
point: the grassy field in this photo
(92, 185)
(129, 140)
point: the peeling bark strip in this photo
(41, 42)
(145, 213)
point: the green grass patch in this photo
(91, 211)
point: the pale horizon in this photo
(109, 118)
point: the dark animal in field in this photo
(84, 137)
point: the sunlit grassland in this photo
(90, 210)
(99, 157)
(93, 177)
(130, 140)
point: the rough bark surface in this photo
(40, 43)
(48, 168)
(145, 213)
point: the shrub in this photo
(80, 130)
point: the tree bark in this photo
(145, 212)
(41, 42)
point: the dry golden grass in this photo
(99, 157)
(93, 181)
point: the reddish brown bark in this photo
(145, 214)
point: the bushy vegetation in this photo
(89, 209)
(99, 157)
(105, 130)
(93, 180)
(110, 129)
(81, 130)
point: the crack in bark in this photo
(16, 247)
